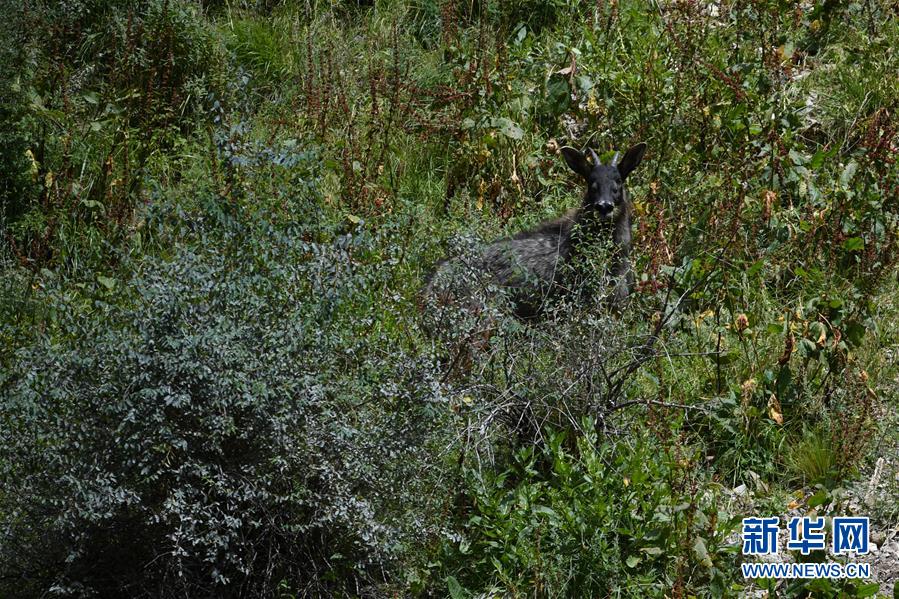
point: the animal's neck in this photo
(589, 226)
(589, 229)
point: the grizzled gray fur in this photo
(532, 264)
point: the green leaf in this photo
(807, 348)
(508, 128)
(854, 244)
(522, 33)
(632, 561)
(558, 94)
(848, 173)
(784, 383)
(796, 157)
(542, 509)
(817, 160)
(702, 554)
(819, 498)
(455, 589)
(869, 590)
(817, 331)
(91, 203)
(584, 83)
(497, 565)
(755, 268)
(107, 282)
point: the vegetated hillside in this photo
(216, 221)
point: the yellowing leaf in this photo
(639, 208)
(33, 166)
(748, 387)
(774, 409)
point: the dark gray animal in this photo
(532, 265)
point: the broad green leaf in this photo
(755, 268)
(848, 173)
(508, 128)
(796, 157)
(455, 589)
(107, 282)
(701, 552)
(522, 33)
(854, 244)
(819, 498)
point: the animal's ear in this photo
(576, 161)
(631, 159)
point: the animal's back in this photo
(526, 264)
(531, 257)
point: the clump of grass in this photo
(262, 47)
(813, 459)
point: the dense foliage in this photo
(218, 375)
(198, 431)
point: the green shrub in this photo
(597, 519)
(198, 428)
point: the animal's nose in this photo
(605, 208)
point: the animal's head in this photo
(605, 195)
